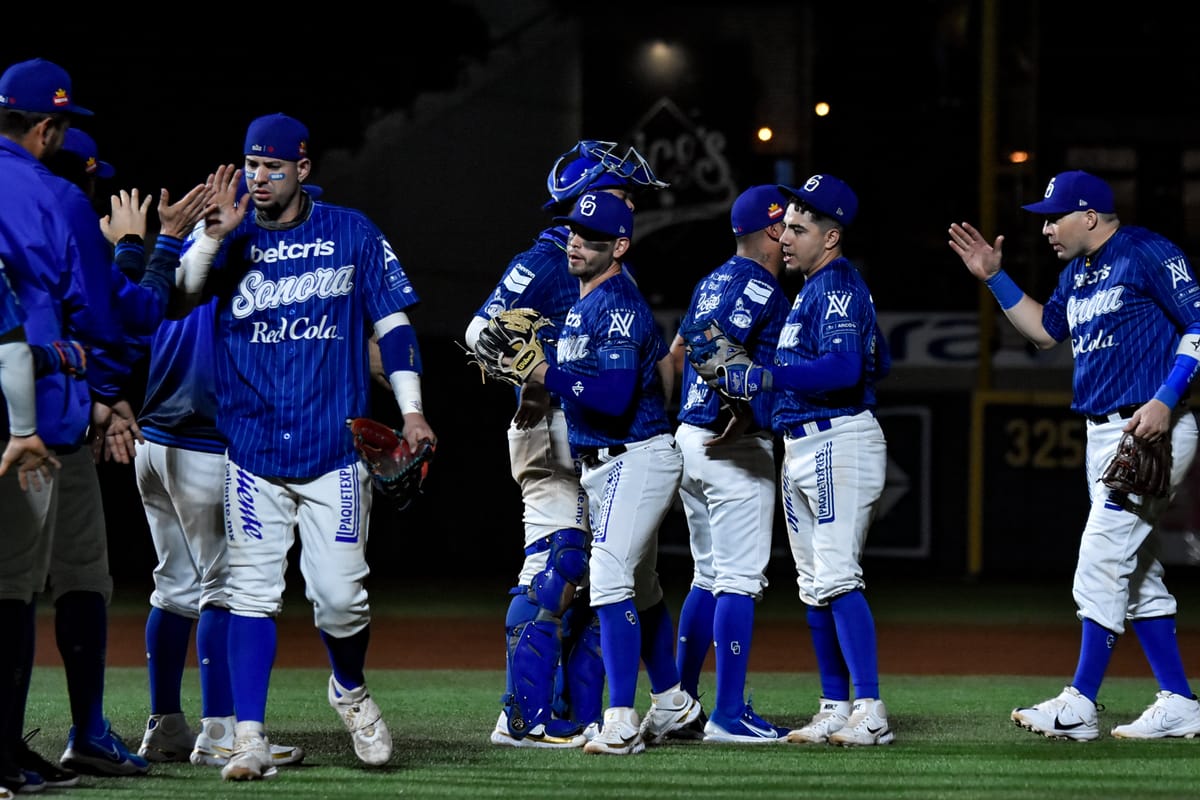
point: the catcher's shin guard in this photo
(534, 649)
(583, 665)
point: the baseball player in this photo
(607, 371)
(728, 487)
(61, 274)
(829, 358)
(1127, 299)
(298, 285)
(179, 465)
(549, 623)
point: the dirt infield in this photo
(474, 643)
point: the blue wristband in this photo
(1006, 291)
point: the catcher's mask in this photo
(593, 164)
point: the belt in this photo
(809, 428)
(591, 456)
(1124, 412)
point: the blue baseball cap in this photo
(277, 136)
(40, 86)
(1074, 191)
(80, 144)
(755, 209)
(602, 216)
(826, 194)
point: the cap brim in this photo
(1047, 207)
(591, 234)
(79, 111)
(105, 170)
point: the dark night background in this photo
(443, 130)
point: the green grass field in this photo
(953, 740)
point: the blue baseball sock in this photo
(621, 645)
(733, 626)
(695, 637)
(856, 633)
(348, 656)
(81, 633)
(252, 645)
(658, 646)
(1161, 647)
(1095, 651)
(168, 637)
(212, 651)
(835, 676)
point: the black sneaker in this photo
(693, 731)
(29, 759)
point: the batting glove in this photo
(742, 381)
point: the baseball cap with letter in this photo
(84, 147)
(277, 136)
(1074, 191)
(826, 194)
(755, 209)
(600, 216)
(39, 86)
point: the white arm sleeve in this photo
(193, 268)
(17, 383)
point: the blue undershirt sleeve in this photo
(831, 371)
(610, 392)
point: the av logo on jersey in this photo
(839, 305)
(620, 323)
(1179, 271)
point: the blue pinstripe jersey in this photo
(614, 328)
(293, 317)
(1124, 309)
(750, 306)
(181, 397)
(833, 312)
(537, 278)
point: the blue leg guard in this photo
(583, 666)
(535, 633)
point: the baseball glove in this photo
(709, 348)
(396, 471)
(1140, 467)
(508, 349)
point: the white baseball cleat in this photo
(214, 745)
(250, 760)
(557, 734)
(867, 726)
(167, 738)
(830, 718)
(362, 717)
(669, 711)
(1169, 716)
(619, 735)
(1068, 716)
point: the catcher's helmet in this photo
(592, 164)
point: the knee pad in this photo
(534, 648)
(566, 567)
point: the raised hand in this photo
(224, 211)
(128, 216)
(981, 258)
(180, 217)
